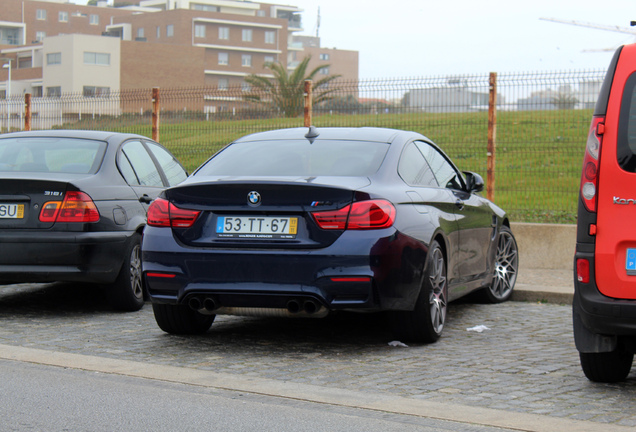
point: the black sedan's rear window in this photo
(297, 158)
(48, 154)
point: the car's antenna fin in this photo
(312, 134)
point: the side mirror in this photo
(474, 182)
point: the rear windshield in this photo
(626, 149)
(58, 155)
(297, 158)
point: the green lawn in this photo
(538, 157)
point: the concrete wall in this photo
(545, 246)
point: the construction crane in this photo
(612, 28)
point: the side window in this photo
(171, 168)
(414, 169)
(142, 164)
(126, 170)
(626, 148)
(444, 172)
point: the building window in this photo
(260, 13)
(39, 36)
(270, 37)
(224, 59)
(141, 33)
(203, 7)
(40, 14)
(93, 58)
(158, 32)
(324, 71)
(93, 19)
(247, 35)
(62, 16)
(55, 92)
(246, 60)
(93, 91)
(36, 91)
(199, 30)
(224, 84)
(25, 62)
(324, 56)
(269, 59)
(170, 30)
(224, 33)
(53, 59)
(245, 86)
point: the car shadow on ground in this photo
(53, 298)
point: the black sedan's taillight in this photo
(163, 213)
(361, 215)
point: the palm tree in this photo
(286, 90)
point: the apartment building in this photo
(151, 43)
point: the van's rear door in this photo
(616, 219)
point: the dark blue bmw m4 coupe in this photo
(308, 221)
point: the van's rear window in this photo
(626, 149)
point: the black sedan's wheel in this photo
(426, 321)
(127, 292)
(506, 268)
(607, 367)
(180, 319)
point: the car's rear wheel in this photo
(127, 292)
(426, 321)
(180, 319)
(607, 367)
(506, 268)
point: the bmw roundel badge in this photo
(254, 198)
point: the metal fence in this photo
(542, 120)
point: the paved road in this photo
(526, 363)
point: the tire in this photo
(127, 293)
(607, 367)
(426, 321)
(181, 320)
(506, 269)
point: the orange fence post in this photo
(155, 114)
(308, 103)
(492, 136)
(27, 111)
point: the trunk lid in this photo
(269, 214)
(21, 201)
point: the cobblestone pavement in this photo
(526, 361)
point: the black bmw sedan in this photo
(73, 207)
(304, 222)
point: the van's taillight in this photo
(583, 270)
(163, 213)
(589, 178)
(360, 215)
(76, 207)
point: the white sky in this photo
(417, 38)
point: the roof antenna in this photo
(312, 134)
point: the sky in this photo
(418, 38)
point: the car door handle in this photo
(145, 199)
(460, 204)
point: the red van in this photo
(604, 307)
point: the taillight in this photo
(76, 207)
(583, 270)
(589, 178)
(361, 215)
(163, 213)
